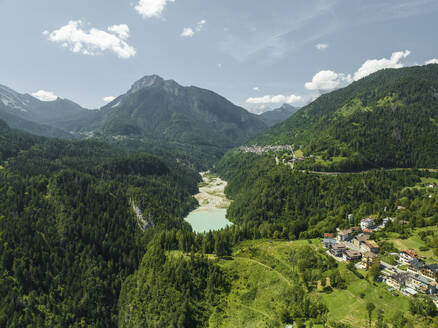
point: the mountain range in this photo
(387, 119)
(153, 113)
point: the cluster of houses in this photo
(259, 150)
(354, 245)
(419, 277)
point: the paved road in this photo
(393, 267)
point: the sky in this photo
(258, 54)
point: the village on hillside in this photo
(259, 150)
(409, 276)
(288, 157)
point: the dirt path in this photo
(266, 266)
(251, 309)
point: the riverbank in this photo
(211, 193)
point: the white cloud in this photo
(109, 99)
(121, 30)
(321, 46)
(432, 61)
(278, 99)
(373, 65)
(260, 109)
(94, 41)
(327, 80)
(189, 32)
(256, 89)
(151, 8)
(45, 95)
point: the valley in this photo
(219, 164)
(112, 225)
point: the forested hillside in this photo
(387, 119)
(68, 233)
(309, 204)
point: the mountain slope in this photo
(163, 112)
(24, 112)
(388, 119)
(278, 115)
(17, 122)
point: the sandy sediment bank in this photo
(211, 193)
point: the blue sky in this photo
(259, 54)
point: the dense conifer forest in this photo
(69, 236)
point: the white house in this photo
(367, 223)
(408, 255)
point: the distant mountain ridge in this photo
(25, 112)
(278, 115)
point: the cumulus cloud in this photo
(189, 32)
(278, 99)
(373, 65)
(44, 95)
(109, 99)
(121, 30)
(259, 109)
(94, 41)
(432, 61)
(321, 46)
(151, 8)
(327, 80)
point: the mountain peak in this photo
(149, 81)
(287, 106)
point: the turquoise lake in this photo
(206, 220)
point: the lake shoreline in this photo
(213, 205)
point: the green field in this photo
(348, 306)
(260, 275)
(415, 242)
